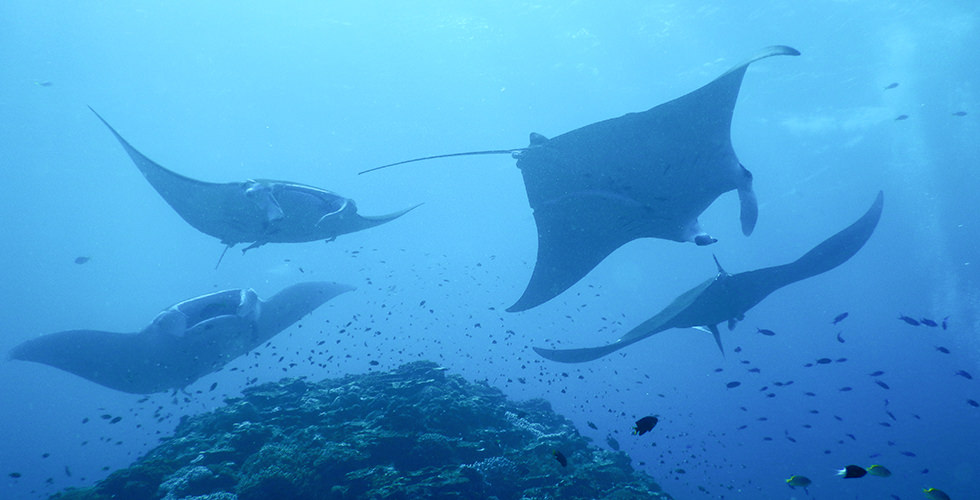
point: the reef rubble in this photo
(413, 432)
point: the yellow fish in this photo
(879, 470)
(935, 494)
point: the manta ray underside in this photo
(642, 175)
(254, 211)
(183, 343)
(727, 297)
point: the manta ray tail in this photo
(449, 155)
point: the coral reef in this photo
(414, 432)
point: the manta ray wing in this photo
(727, 297)
(154, 361)
(254, 211)
(648, 174)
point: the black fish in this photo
(213, 386)
(901, 117)
(845, 389)
(839, 338)
(908, 454)
(973, 403)
(14, 475)
(911, 321)
(590, 424)
(82, 260)
(944, 322)
(732, 385)
(560, 457)
(942, 349)
(959, 113)
(763, 331)
(115, 420)
(852, 472)
(928, 322)
(840, 317)
(824, 361)
(891, 85)
(964, 374)
(882, 384)
(643, 175)
(876, 373)
(644, 425)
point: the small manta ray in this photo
(727, 297)
(642, 175)
(254, 211)
(183, 343)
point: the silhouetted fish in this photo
(928, 322)
(882, 384)
(964, 374)
(891, 85)
(82, 260)
(763, 331)
(911, 321)
(644, 425)
(839, 338)
(560, 457)
(732, 385)
(876, 373)
(942, 349)
(840, 317)
(959, 113)
(901, 117)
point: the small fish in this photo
(945, 324)
(213, 387)
(768, 333)
(82, 260)
(891, 415)
(733, 384)
(882, 384)
(884, 424)
(801, 481)
(840, 360)
(964, 374)
(754, 370)
(115, 420)
(876, 373)
(14, 475)
(591, 425)
(928, 322)
(44, 83)
(824, 361)
(839, 338)
(845, 389)
(840, 317)
(973, 403)
(612, 443)
(373, 362)
(935, 494)
(891, 85)
(908, 454)
(560, 457)
(959, 113)
(901, 117)
(851, 436)
(852, 472)
(879, 470)
(942, 349)
(911, 321)
(645, 425)
(809, 394)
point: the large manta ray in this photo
(254, 211)
(648, 174)
(183, 343)
(727, 297)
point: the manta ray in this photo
(183, 343)
(727, 297)
(254, 211)
(642, 175)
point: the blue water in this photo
(314, 92)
